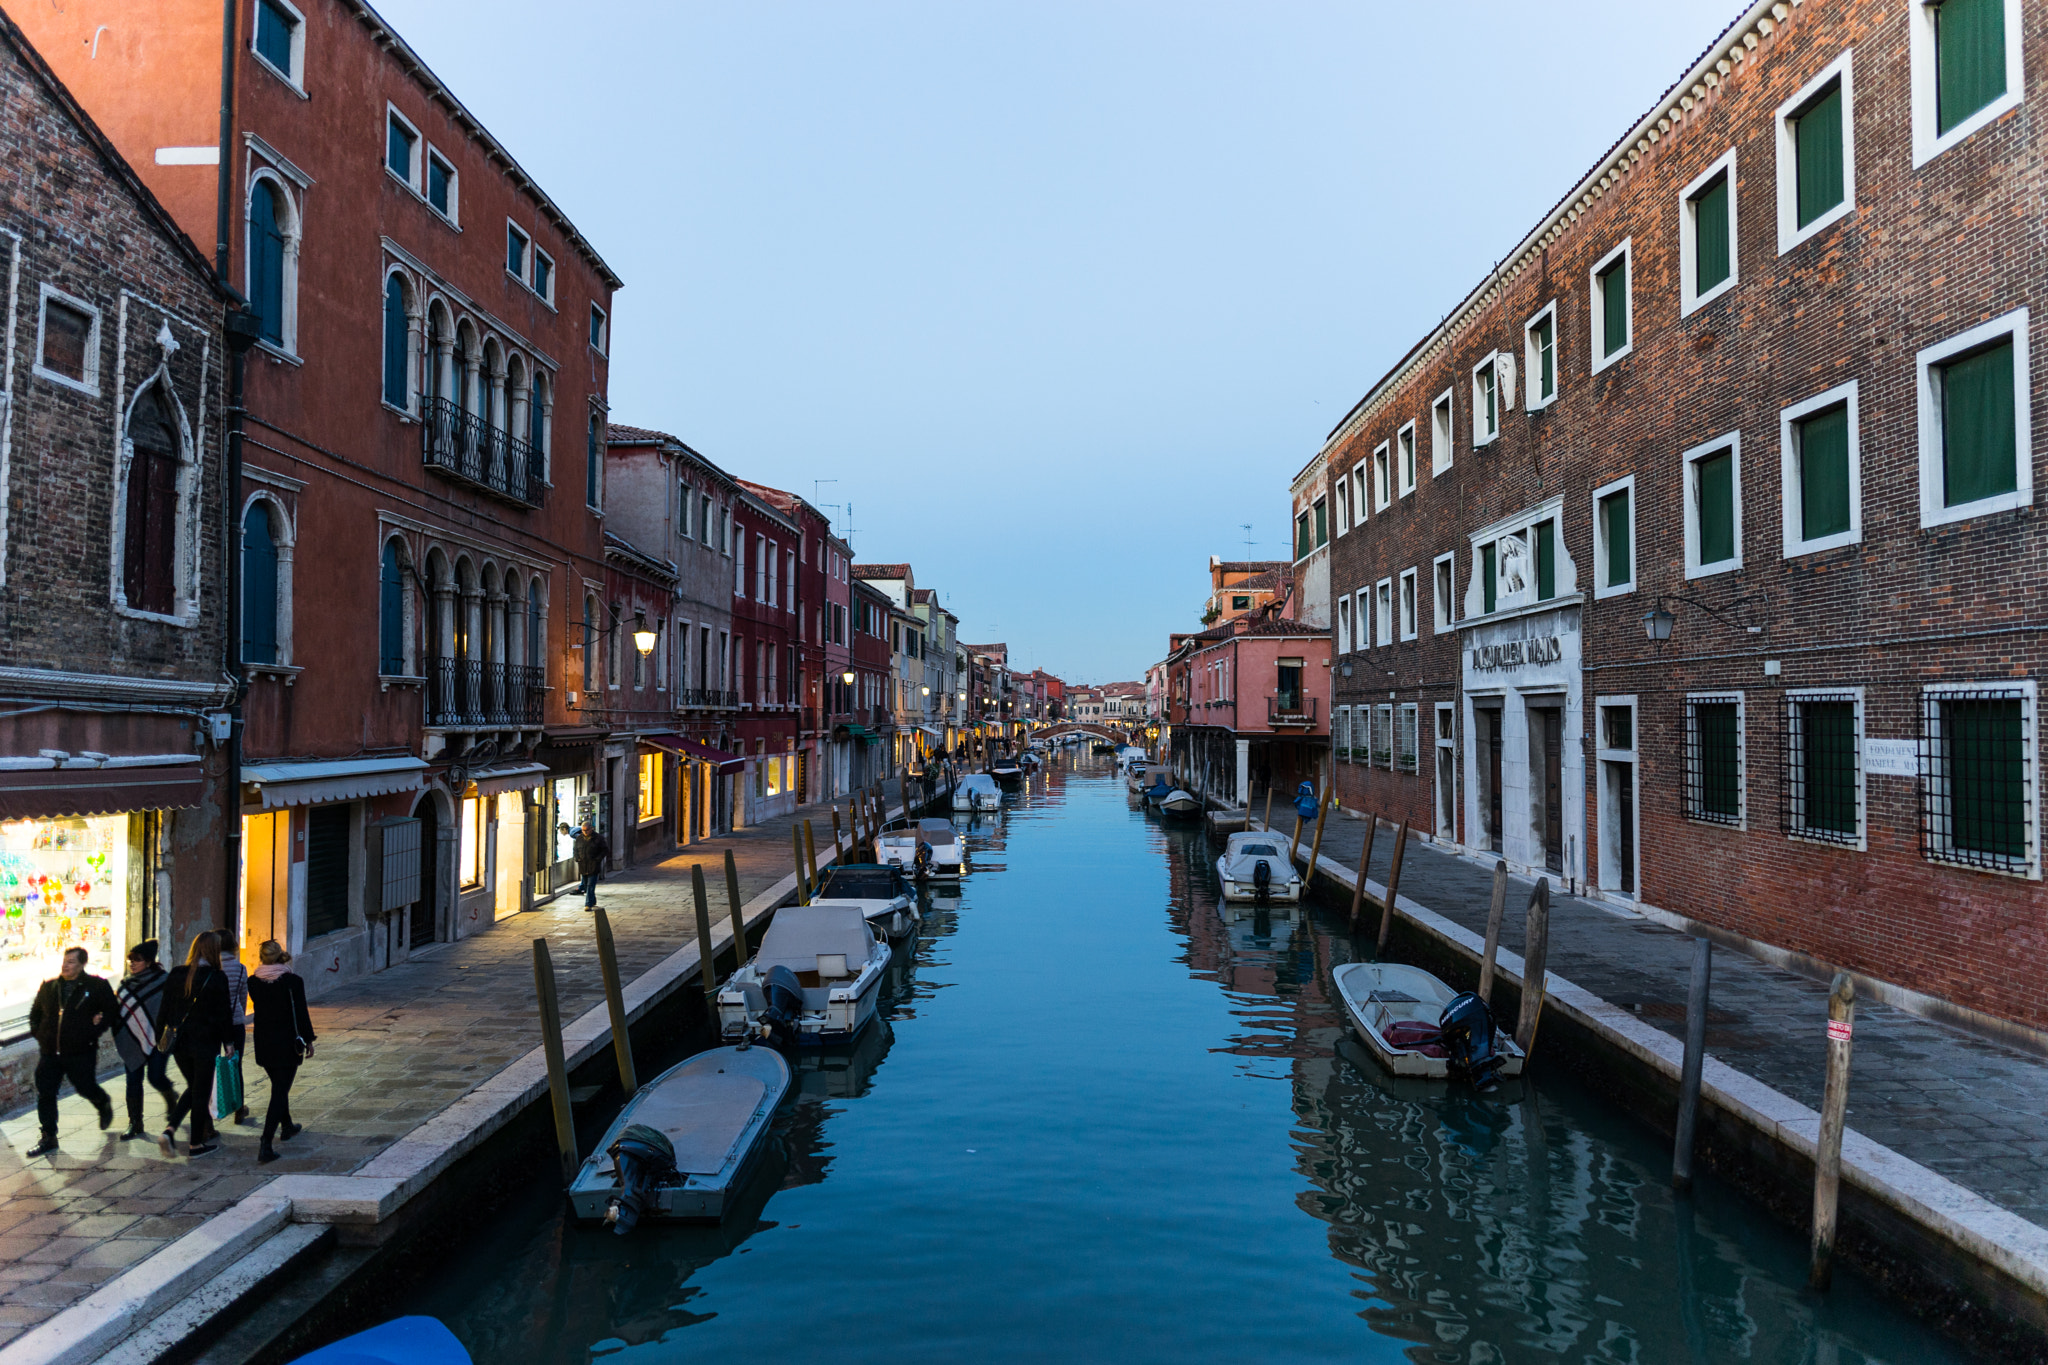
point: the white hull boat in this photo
(978, 792)
(1397, 1011)
(1006, 770)
(1237, 871)
(947, 856)
(685, 1142)
(880, 891)
(1180, 801)
(814, 981)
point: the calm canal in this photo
(1099, 1122)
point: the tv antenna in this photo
(1247, 529)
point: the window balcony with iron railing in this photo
(701, 698)
(465, 447)
(1291, 709)
(480, 694)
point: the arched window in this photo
(259, 587)
(537, 414)
(589, 644)
(391, 612)
(397, 344)
(267, 219)
(532, 648)
(149, 562)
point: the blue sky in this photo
(1061, 295)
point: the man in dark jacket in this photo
(590, 856)
(70, 1011)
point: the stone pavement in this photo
(1970, 1110)
(394, 1049)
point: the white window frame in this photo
(1409, 600)
(1361, 618)
(1383, 732)
(1382, 476)
(1444, 591)
(1626, 484)
(525, 254)
(1442, 434)
(1407, 457)
(1487, 368)
(534, 256)
(1343, 625)
(1602, 756)
(1741, 821)
(1340, 506)
(411, 180)
(296, 77)
(1689, 491)
(1446, 741)
(1788, 472)
(1361, 492)
(2024, 690)
(1688, 240)
(1932, 460)
(90, 385)
(603, 344)
(1790, 234)
(453, 217)
(1795, 812)
(1598, 329)
(1533, 362)
(1383, 611)
(1927, 143)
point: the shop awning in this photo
(692, 748)
(313, 782)
(39, 788)
(859, 732)
(508, 777)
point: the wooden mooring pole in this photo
(1267, 822)
(811, 851)
(558, 1068)
(1834, 1103)
(1393, 886)
(1535, 954)
(1494, 914)
(615, 1003)
(707, 965)
(1695, 1062)
(1315, 847)
(739, 913)
(796, 859)
(1372, 827)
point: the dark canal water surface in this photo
(1101, 1123)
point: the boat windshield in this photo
(1257, 851)
(861, 884)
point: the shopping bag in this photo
(227, 1085)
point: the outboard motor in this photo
(785, 1006)
(923, 860)
(1262, 879)
(644, 1158)
(1467, 1026)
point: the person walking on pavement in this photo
(195, 1020)
(284, 1038)
(140, 996)
(69, 1011)
(590, 856)
(238, 1007)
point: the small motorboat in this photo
(1103, 749)
(685, 1141)
(1006, 770)
(1182, 802)
(1255, 868)
(1030, 761)
(1418, 1026)
(977, 792)
(401, 1341)
(814, 980)
(880, 891)
(933, 850)
(1158, 783)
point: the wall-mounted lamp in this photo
(643, 638)
(1657, 623)
(847, 677)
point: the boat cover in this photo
(799, 933)
(703, 1114)
(937, 831)
(401, 1341)
(862, 884)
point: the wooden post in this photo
(1315, 848)
(558, 1068)
(1535, 953)
(811, 852)
(836, 856)
(796, 858)
(1372, 828)
(1267, 823)
(1393, 885)
(1494, 914)
(739, 913)
(1294, 840)
(1827, 1157)
(615, 1003)
(1695, 1060)
(707, 966)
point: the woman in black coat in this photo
(192, 1023)
(284, 1038)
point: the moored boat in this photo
(977, 792)
(1006, 770)
(684, 1142)
(1238, 870)
(814, 980)
(931, 849)
(1417, 1026)
(880, 891)
(401, 1341)
(1180, 801)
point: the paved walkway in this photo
(1968, 1109)
(394, 1049)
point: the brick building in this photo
(1237, 586)
(112, 793)
(819, 604)
(1759, 384)
(768, 726)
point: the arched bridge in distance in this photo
(1107, 734)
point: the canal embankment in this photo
(1944, 1166)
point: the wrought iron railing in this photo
(476, 693)
(705, 697)
(1291, 710)
(465, 446)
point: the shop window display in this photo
(64, 883)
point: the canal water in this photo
(1100, 1122)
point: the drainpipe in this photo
(241, 329)
(227, 135)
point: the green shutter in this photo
(1614, 507)
(1614, 307)
(1322, 523)
(1720, 777)
(1710, 235)
(1714, 479)
(1546, 560)
(1969, 45)
(1828, 743)
(1546, 357)
(1979, 451)
(1983, 742)
(1819, 137)
(1823, 446)
(1488, 575)
(1301, 542)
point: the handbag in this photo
(227, 1084)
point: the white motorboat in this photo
(880, 891)
(815, 979)
(685, 1141)
(1006, 769)
(1181, 801)
(1418, 1026)
(1237, 871)
(977, 792)
(944, 853)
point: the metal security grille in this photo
(1713, 759)
(1340, 733)
(1821, 797)
(1977, 786)
(1404, 746)
(1383, 736)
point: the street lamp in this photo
(1657, 623)
(643, 638)
(847, 677)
